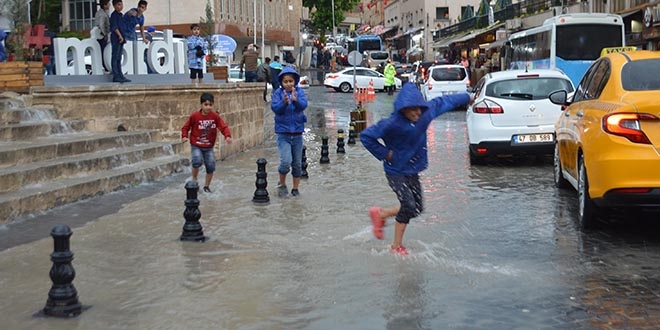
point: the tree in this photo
(321, 12)
(207, 30)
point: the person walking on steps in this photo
(403, 151)
(201, 129)
(289, 103)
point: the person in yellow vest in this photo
(389, 73)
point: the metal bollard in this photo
(304, 175)
(351, 133)
(340, 142)
(192, 229)
(324, 151)
(63, 296)
(261, 194)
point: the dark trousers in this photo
(117, 51)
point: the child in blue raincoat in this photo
(400, 143)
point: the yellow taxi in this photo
(608, 136)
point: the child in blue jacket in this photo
(288, 104)
(403, 151)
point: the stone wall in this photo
(160, 107)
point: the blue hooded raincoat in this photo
(289, 118)
(407, 139)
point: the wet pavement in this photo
(496, 248)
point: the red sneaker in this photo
(377, 222)
(400, 250)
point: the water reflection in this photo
(496, 248)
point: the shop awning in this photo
(475, 33)
(387, 29)
(395, 37)
(413, 30)
(445, 42)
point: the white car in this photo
(343, 81)
(512, 115)
(445, 79)
(234, 76)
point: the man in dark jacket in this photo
(263, 75)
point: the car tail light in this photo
(627, 125)
(332, 76)
(631, 191)
(487, 107)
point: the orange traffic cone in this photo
(371, 93)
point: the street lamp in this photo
(334, 29)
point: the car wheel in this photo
(586, 206)
(560, 181)
(345, 87)
(337, 89)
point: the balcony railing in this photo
(528, 7)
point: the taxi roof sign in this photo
(610, 50)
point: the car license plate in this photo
(533, 138)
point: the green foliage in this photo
(321, 13)
(17, 13)
(207, 29)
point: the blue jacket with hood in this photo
(289, 118)
(405, 138)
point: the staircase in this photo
(46, 162)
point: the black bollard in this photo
(304, 175)
(324, 151)
(340, 142)
(351, 133)
(261, 194)
(192, 229)
(62, 297)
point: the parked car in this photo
(608, 137)
(342, 81)
(421, 67)
(445, 79)
(512, 115)
(235, 76)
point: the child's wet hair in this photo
(206, 97)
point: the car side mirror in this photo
(558, 97)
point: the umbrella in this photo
(483, 8)
(468, 13)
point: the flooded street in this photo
(497, 247)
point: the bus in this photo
(365, 43)
(569, 42)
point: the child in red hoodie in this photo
(202, 129)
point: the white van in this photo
(374, 59)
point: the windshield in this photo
(528, 88)
(585, 41)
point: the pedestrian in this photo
(263, 75)
(389, 73)
(289, 104)
(196, 52)
(117, 41)
(149, 36)
(403, 151)
(249, 63)
(201, 129)
(102, 21)
(275, 69)
(3, 54)
(135, 17)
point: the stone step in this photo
(38, 198)
(37, 173)
(28, 130)
(19, 152)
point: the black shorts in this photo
(196, 73)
